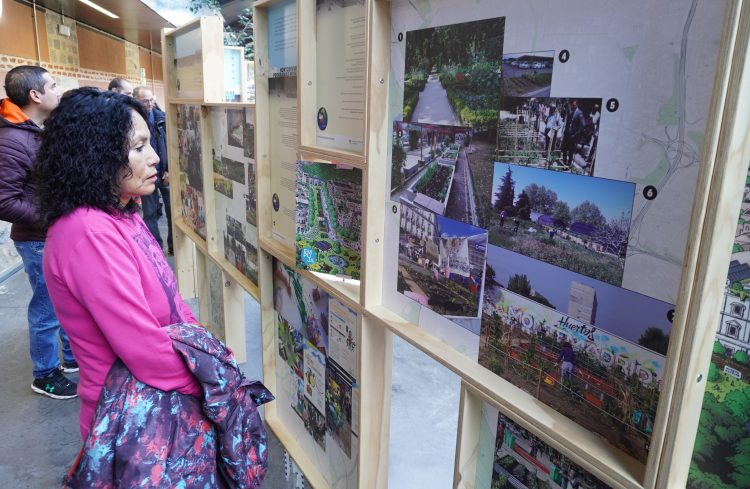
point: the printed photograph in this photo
(339, 406)
(608, 384)
(223, 185)
(571, 221)
(298, 394)
(429, 169)
(441, 262)
(523, 461)
(239, 251)
(251, 198)
(328, 218)
(635, 317)
(236, 127)
(248, 143)
(552, 133)
(191, 173)
(228, 168)
(315, 423)
(302, 304)
(527, 74)
(452, 74)
(291, 346)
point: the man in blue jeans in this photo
(32, 96)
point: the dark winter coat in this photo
(144, 437)
(19, 143)
(159, 137)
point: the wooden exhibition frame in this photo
(726, 151)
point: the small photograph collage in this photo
(318, 339)
(234, 186)
(503, 220)
(191, 174)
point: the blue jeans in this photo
(43, 324)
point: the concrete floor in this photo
(39, 437)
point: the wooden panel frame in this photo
(307, 88)
(212, 59)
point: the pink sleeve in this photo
(104, 278)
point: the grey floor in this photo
(39, 436)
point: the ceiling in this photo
(137, 23)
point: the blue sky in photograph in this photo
(622, 312)
(451, 228)
(611, 196)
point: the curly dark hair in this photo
(84, 154)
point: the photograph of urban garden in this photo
(527, 74)
(571, 221)
(441, 262)
(553, 133)
(453, 74)
(610, 401)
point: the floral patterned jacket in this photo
(147, 438)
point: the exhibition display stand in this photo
(541, 196)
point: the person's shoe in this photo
(56, 386)
(69, 367)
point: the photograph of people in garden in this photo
(553, 133)
(452, 74)
(571, 221)
(441, 262)
(523, 460)
(608, 384)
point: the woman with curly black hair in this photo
(109, 282)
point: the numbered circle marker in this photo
(650, 192)
(564, 56)
(612, 105)
(670, 315)
(400, 36)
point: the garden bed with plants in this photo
(436, 182)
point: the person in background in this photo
(121, 85)
(158, 129)
(32, 95)
(108, 279)
(567, 357)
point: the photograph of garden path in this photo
(614, 386)
(571, 221)
(523, 460)
(441, 262)
(429, 168)
(452, 74)
(553, 133)
(329, 218)
(527, 74)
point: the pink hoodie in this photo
(113, 292)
